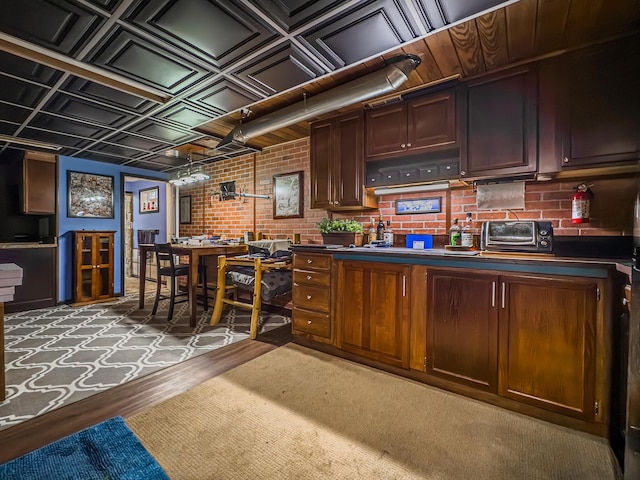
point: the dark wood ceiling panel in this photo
(550, 25)
(185, 115)
(279, 70)
(53, 24)
(583, 21)
(109, 95)
(19, 92)
(444, 53)
(59, 124)
(428, 69)
(224, 97)
(617, 16)
(521, 29)
(492, 30)
(291, 14)
(80, 109)
(220, 31)
(12, 113)
(126, 54)
(28, 70)
(455, 10)
(348, 38)
(465, 39)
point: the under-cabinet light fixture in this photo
(29, 143)
(430, 187)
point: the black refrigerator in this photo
(632, 430)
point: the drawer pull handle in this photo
(309, 260)
(308, 297)
(308, 322)
(308, 277)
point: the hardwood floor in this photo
(135, 396)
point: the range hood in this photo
(375, 84)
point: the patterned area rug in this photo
(56, 356)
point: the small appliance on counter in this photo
(517, 236)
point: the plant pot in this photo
(343, 238)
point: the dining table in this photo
(194, 253)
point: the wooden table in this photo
(194, 253)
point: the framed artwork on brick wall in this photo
(288, 198)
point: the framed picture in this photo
(287, 195)
(150, 200)
(185, 209)
(89, 195)
(418, 205)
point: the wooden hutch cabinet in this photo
(93, 266)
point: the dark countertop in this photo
(16, 245)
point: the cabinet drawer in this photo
(309, 277)
(450, 170)
(311, 298)
(312, 261)
(311, 322)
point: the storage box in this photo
(419, 241)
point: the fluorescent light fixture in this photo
(430, 187)
(29, 143)
(199, 175)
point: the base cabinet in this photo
(38, 289)
(93, 266)
(311, 313)
(372, 314)
(462, 331)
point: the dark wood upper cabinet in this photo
(589, 108)
(337, 164)
(501, 125)
(415, 126)
(38, 183)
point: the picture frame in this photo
(185, 210)
(418, 206)
(89, 195)
(288, 198)
(149, 200)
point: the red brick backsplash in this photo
(611, 207)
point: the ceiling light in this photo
(198, 174)
(430, 187)
(30, 143)
(189, 174)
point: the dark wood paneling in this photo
(349, 168)
(550, 25)
(521, 29)
(465, 39)
(322, 157)
(492, 30)
(38, 277)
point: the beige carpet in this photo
(299, 414)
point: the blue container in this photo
(419, 241)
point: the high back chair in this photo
(167, 267)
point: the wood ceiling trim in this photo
(521, 29)
(428, 69)
(492, 30)
(550, 27)
(444, 53)
(583, 21)
(465, 39)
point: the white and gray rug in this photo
(56, 356)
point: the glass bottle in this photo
(454, 234)
(467, 232)
(388, 234)
(380, 229)
(372, 231)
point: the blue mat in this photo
(107, 451)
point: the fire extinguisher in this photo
(581, 204)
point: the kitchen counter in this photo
(27, 245)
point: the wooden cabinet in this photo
(311, 313)
(38, 289)
(590, 112)
(548, 342)
(462, 331)
(501, 125)
(372, 315)
(337, 164)
(420, 125)
(38, 192)
(93, 266)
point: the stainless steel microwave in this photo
(518, 236)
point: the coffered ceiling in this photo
(141, 82)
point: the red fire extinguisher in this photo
(581, 204)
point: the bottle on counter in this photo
(466, 236)
(455, 237)
(372, 231)
(388, 234)
(380, 229)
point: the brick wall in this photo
(611, 211)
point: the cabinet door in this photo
(462, 327)
(103, 254)
(386, 131)
(373, 311)
(599, 121)
(547, 343)
(39, 183)
(349, 167)
(431, 122)
(501, 125)
(322, 158)
(85, 267)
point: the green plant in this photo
(327, 225)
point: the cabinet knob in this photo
(462, 172)
(308, 297)
(308, 322)
(565, 160)
(407, 174)
(403, 145)
(308, 277)
(309, 260)
(408, 145)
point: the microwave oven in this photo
(517, 236)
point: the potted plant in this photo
(341, 232)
